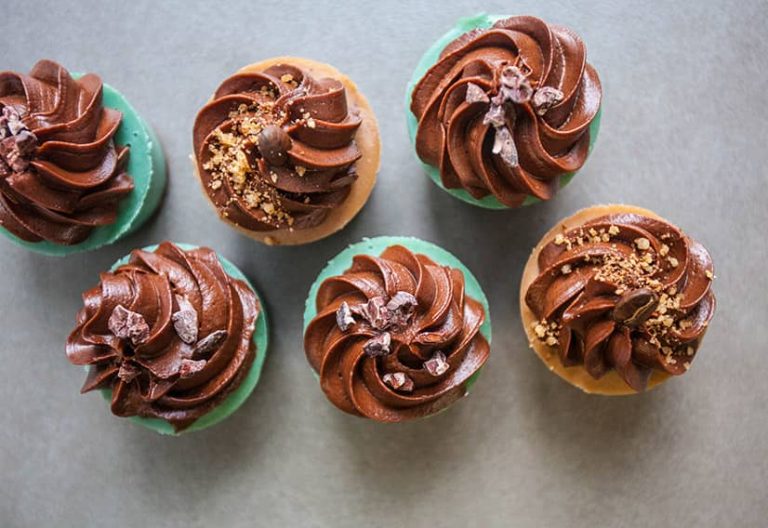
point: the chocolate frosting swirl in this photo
(395, 336)
(625, 292)
(61, 174)
(506, 110)
(169, 333)
(276, 148)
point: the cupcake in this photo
(287, 150)
(504, 110)
(615, 299)
(79, 168)
(396, 329)
(174, 336)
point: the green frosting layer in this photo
(146, 165)
(237, 397)
(430, 57)
(374, 247)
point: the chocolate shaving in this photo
(401, 307)
(125, 324)
(185, 320)
(475, 94)
(378, 345)
(545, 98)
(375, 312)
(398, 381)
(127, 372)
(504, 146)
(437, 364)
(344, 319)
(208, 344)
(190, 367)
(515, 86)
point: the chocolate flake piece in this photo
(495, 115)
(437, 364)
(273, 143)
(401, 307)
(189, 367)
(545, 98)
(375, 312)
(398, 381)
(127, 372)
(185, 320)
(378, 346)
(475, 94)
(125, 324)
(344, 319)
(515, 86)
(635, 307)
(208, 344)
(504, 146)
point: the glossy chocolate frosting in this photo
(276, 148)
(506, 110)
(61, 174)
(169, 333)
(395, 337)
(625, 292)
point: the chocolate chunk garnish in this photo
(125, 324)
(185, 320)
(273, 144)
(475, 94)
(344, 319)
(515, 86)
(635, 307)
(26, 142)
(401, 307)
(189, 367)
(375, 312)
(545, 98)
(13, 120)
(208, 344)
(437, 364)
(504, 146)
(127, 372)
(379, 345)
(398, 381)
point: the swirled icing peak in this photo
(395, 336)
(276, 148)
(623, 292)
(170, 333)
(61, 174)
(506, 110)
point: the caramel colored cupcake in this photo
(287, 150)
(616, 300)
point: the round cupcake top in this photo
(61, 174)
(625, 292)
(276, 148)
(506, 110)
(395, 336)
(169, 333)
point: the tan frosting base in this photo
(368, 141)
(611, 384)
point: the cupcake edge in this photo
(238, 396)
(146, 165)
(375, 246)
(611, 384)
(427, 60)
(368, 140)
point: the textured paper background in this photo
(684, 132)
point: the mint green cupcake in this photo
(503, 111)
(173, 336)
(80, 168)
(396, 329)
